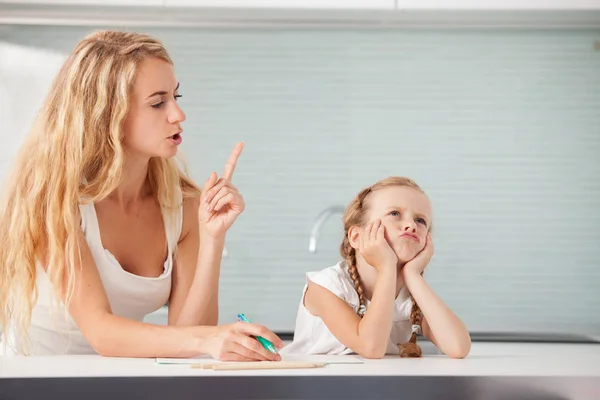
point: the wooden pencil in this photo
(258, 365)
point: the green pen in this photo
(265, 343)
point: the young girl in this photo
(375, 302)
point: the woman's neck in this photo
(134, 186)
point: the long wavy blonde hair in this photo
(355, 216)
(73, 154)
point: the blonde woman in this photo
(100, 226)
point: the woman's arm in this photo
(195, 288)
(111, 335)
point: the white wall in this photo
(26, 73)
(501, 128)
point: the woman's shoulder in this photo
(189, 212)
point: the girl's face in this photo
(406, 214)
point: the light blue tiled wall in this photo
(501, 128)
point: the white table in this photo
(492, 371)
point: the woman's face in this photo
(153, 124)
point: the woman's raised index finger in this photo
(232, 161)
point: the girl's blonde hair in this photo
(355, 216)
(73, 154)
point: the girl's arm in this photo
(440, 324)
(368, 336)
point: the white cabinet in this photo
(498, 5)
(402, 5)
(316, 13)
(288, 4)
(139, 3)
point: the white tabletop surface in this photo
(485, 359)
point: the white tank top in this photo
(311, 335)
(53, 331)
